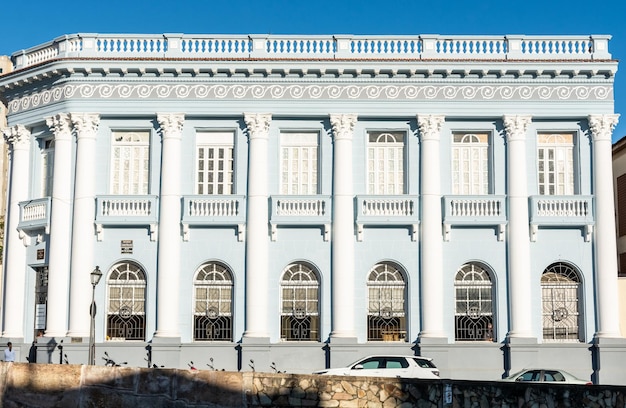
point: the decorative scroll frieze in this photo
(311, 92)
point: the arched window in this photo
(213, 303)
(560, 288)
(473, 313)
(126, 306)
(299, 304)
(386, 312)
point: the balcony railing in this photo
(475, 211)
(214, 210)
(315, 47)
(561, 211)
(34, 215)
(381, 210)
(300, 210)
(126, 210)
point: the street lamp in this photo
(95, 278)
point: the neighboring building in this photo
(619, 184)
(300, 202)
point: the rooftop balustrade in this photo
(312, 47)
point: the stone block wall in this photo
(51, 385)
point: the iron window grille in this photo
(386, 316)
(560, 288)
(126, 315)
(473, 304)
(299, 304)
(213, 303)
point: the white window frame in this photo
(470, 163)
(218, 180)
(130, 162)
(556, 154)
(299, 156)
(385, 162)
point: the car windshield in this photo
(424, 363)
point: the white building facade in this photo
(293, 203)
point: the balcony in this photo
(574, 211)
(474, 211)
(300, 210)
(126, 210)
(214, 211)
(387, 210)
(34, 215)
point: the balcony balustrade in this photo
(214, 210)
(126, 210)
(316, 47)
(475, 211)
(561, 211)
(300, 210)
(34, 215)
(383, 210)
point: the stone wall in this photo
(50, 385)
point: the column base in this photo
(255, 354)
(609, 360)
(519, 353)
(165, 352)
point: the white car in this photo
(546, 375)
(388, 366)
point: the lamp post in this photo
(95, 278)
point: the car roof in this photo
(393, 355)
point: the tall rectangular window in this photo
(298, 173)
(47, 168)
(555, 155)
(385, 163)
(214, 162)
(130, 162)
(621, 206)
(470, 163)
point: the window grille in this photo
(299, 163)
(386, 316)
(555, 157)
(130, 162)
(560, 288)
(470, 163)
(300, 304)
(473, 310)
(213, 303)
(385, 163)
(214, 163)
(126, 314)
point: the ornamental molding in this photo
(258, 125)
(18, 137)
(171, 124)
(343, 125)
(516, 125)
(602, 126)
(60, 125)
(310, 92)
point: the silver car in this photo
(546, 375)
(388, 366)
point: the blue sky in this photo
(28, 23)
